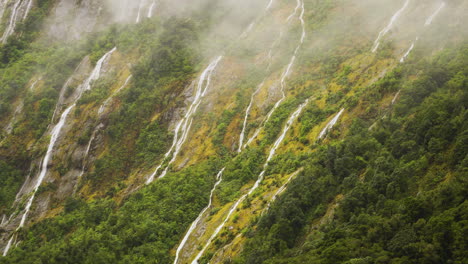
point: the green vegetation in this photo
(404, 183)
(387, 185)
(143, 229)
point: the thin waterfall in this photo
(407, 53)
(182, 128)
(330, 125)
(140, 7)
(428, 23)
(386, 29)
(151, 9)
(219, 178)
(10, 29)
(434, 15)
(247, 113)
(286, 72)
(104, 106)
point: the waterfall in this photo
(56, 131)
(247, 113)
(182, 128)
(270, 4)
(395, 97)
(281, 189)
(10, 29)
(271, 154)
(407, 53)
(431, 18)
(389, 26)
(18, 110)
(28, 8)
(330, 124)
(286, 72)
(151, 9)
(140, 7)
(104, 106)
(8, 246)
(2, 8)
(428, 23)
(219, 178)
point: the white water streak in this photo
(330, 124)
(18, 110)
(140, 7)
(95, 74)
(219, 178)
(389, 26)
(286, 72)
(407, 53)
(2, 7)
(182, 128)
(28, 8)
(270, 4)
(295, 10)
(281, 189)
(104, 106)
(10, 29)
(8, 246)
(151, 9)
(434, 15)
(396, 97)
(272, 153)
(246, 117)
(33, 85)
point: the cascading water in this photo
(428, 23)
(101, 110)
(85, 156)
(286, 72)
(197, 220)
(8, 246)
(407, 53)
(33, 85)
(28, 8)
(2, 8)
(270, 4)
(104, 106)
(389, 26)
(11, 23)
(151, 9)
(247, 113)
(434, 15)
(140, 7)
(330, 125)
(219, 178)
(395, 97)
(55, 135)
(15, 16)
(281, 190)
(182, 128)
(18, 110)
(271, 154)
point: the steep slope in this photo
(234, 132)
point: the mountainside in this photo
(234, 131)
